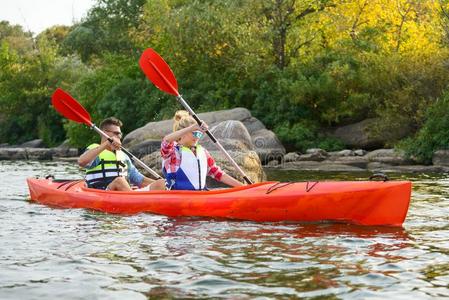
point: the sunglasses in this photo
(197, 134)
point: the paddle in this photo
(67, 106)
(160, 74)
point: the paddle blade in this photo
(69, 107)
(158, 72)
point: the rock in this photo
(26, 153)
(145, 148)
(291, 156)
(272, 163)
(263, 141)
(154, 161)
(388, 156)
(230, 130)
(360, 152)
(249, 162)
(267, 145)
(12, 154)
(151, 131)
(64, 145)
(157, 130)
(441, 158)
(317, 156)
(361, 134)
(356, 161)
(253, 124)
(65, 150)
(228, 144)
(346, 153)
(320, 167)
(38, 143)
(316, 151)
(39, 153)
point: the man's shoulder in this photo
(92, 146)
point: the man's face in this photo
(113, 131)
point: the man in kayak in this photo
(108, 168)
(185, 163)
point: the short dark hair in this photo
(110, 121)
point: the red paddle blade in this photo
(69, 107)
(158, 72)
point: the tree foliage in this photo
(301, 66)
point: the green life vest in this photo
(111, 165)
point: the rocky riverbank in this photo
(250, 143)
(381, 160)
(36, 150)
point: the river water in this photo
(50, 253)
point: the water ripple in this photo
(49, 253)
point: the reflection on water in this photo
(49, 253)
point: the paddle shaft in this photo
(135, 159)
(214, 140)
(158, 72)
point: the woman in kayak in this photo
(108, 168)
(185, 163)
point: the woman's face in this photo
(189, 139)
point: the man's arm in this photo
(88, 156)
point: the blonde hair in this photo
(182, 119)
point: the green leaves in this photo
(299, 66)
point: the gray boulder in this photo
(316, 151)
(38, 143)
(39, 153)
(316, 156)
(356, 161)
(346, 153)
(145, 148)
(388, 156)
(26, 153)
(320, 166)
(65, 150)
(248, 161)
(267, 145)
(360, 152)
(362, 135)
(12, 154)
(230, 133)
(253, 124)
(157, 130)
(441, 158)
(255, 136)
(291, 156)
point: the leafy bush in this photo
(434, 135)
(305, 135)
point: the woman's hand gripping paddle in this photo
(160, 74)
(67, 106)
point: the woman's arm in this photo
(225, 178)
(215, 172)
(174, 136)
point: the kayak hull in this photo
(356, 202)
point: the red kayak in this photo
(356, 202)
